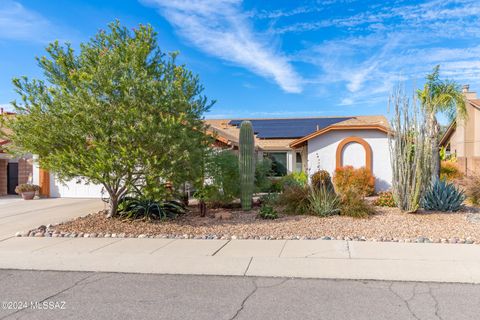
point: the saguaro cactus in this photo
(247, 164)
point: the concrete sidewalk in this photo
(271, 258)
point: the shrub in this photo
(449, 171)
(263, 172)
(323, 202)
(443, 196)
(296, 178)
(354, 205)
(223, 173)
(269, 199)
(302, 200)
(267, 212)
(472, 189)
(385, 199)
(295, 199)
(213, 197)
(321, 179)
(25, 187)
(131, 208)
(349, 179)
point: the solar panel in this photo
(288, 128)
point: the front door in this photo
(12, 177)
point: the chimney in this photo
(470, 95)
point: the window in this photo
(279, 162)
(298, 162)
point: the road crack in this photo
(255, 288)
(437, 305)
(242, 305)
(405, 301)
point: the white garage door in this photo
(73, 189)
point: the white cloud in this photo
(20, 23)
(221, 29)
(376, 49)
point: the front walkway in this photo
(20, 215)
(271, 258)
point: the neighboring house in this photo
(311, 144)
(13, 171)
(462, 137)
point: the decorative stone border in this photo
(46, 231)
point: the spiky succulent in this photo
(443, 196)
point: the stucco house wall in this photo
(322, 154)
(462, 138)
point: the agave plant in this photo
(131, 208)
(443, 196)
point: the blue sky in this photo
(269, 58)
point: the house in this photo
(24, 169)
(311, 144)
(13, 170)
(293, 145)
(462, 137)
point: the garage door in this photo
(73, 189)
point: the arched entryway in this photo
(355, 140)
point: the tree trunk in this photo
(203, 208)
(435, 129)
(113, 202)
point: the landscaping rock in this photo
(473, 217)
(221, 215)
(390, 225)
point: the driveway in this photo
(20, 215)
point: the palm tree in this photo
(440, 96)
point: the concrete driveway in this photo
(20, 215)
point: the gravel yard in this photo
(388, 224)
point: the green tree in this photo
(120, 113)
(223, 174)
(440, 96)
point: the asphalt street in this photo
(88, 295)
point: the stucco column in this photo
(3, 177)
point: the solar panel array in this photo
(288, 128)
